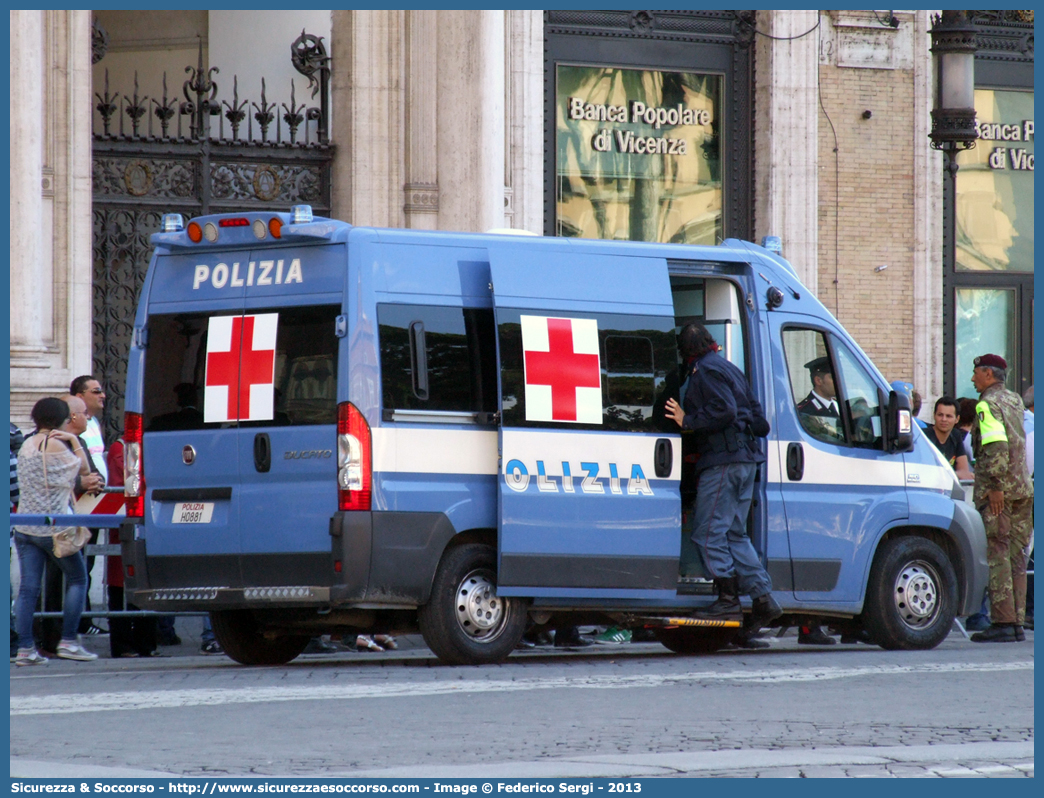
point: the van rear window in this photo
(304, 372)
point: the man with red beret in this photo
(1003, 495)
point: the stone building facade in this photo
(440, 120)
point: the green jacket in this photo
(999, 446)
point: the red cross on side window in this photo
(565, 370)
(248, 362)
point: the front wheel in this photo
(911, 599)
(694, 640)
(465, 622)
(243, 639)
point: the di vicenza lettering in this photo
(585, 479)
(1018, 160)
(262, 272)
(631, 144)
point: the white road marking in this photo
(67, 703)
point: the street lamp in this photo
(953, 114)
(953, 130)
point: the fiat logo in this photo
(188, 454)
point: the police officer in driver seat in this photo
(727, 419)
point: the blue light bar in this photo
(172, 223)
(301, 214)
(773, 244)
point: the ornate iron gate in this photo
(198, 156)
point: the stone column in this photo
(51, 254)
(422, 173)
(524, 207)
(368, 98)
(786, 139)
(927, 225)
(29, 293)
(471, 121)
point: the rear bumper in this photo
(377, 558)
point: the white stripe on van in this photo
(830, 468)
(422, 450)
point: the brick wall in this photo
(874, 217)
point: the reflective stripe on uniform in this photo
(990, 429)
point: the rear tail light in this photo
(354, 460)
(133, 471)
(275, 227)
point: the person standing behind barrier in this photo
(965, 421)
(90, 391)
(1027, 400)
(128, 637)
(727, 419)
(47, 472)
(1004, 496)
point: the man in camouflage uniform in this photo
(1004, 497)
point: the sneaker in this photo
(94, 631)
(75, 651)
(386, 641)
(319, 646)
(814, 636)
(29, 656)
(211, 647)
(613, 636)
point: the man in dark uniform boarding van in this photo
(719, 407)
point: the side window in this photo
(437, 358)
(862, 399)
(304, 388)
(583, 370)
(813, 384)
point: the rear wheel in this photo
(694, 640)
(242, 638)
(911, 599)
(464, 621)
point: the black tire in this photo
(464, 622)
(911, 599)
(694, 640)
(241, 637)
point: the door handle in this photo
(664, 458)
(262, 452)
(795, 462)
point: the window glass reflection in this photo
(985, 324)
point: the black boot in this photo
(996, 633)
(727, 607)
(765, 611)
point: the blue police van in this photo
(338, 429)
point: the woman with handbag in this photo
(48, 464)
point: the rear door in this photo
(191, 465)
(588, 487)
(287, 435)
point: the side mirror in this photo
(898, 423)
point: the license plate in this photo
(193, 512)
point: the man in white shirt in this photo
(90, 391)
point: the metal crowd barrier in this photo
(92, 521)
